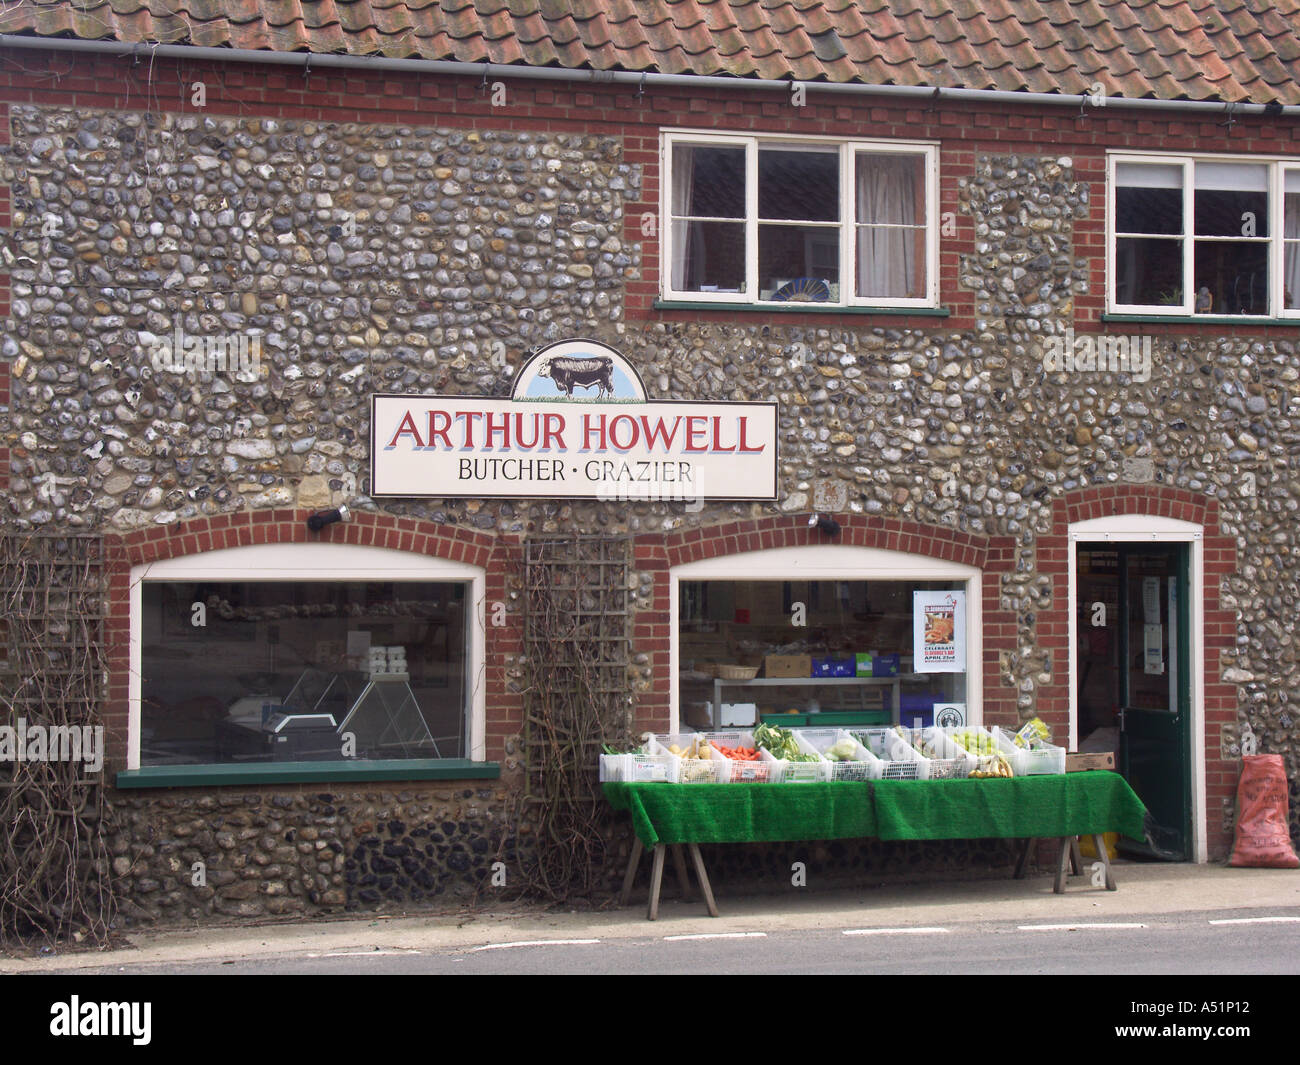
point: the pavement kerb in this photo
(1143, 889)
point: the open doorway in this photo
(1132, 655)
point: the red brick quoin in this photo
(1220, 553)
(657, 553)
(504, 715)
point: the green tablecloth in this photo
(1070, 804)
(745, 813)
(1065, 804)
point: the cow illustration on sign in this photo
(569, 373)
(578, 371)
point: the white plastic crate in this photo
(984, 763)
(899, 759)
(789, 772)
(948, 761)
(645, 768)
(785, 771)
(684, 770)
(635, 768)
(612, 767)
(1041, 761)
(864, 765)
(736, 772)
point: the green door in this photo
(1154, 704)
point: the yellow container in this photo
(1089, 851)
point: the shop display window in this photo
(811, 653)
(278, 671)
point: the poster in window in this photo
(939, 632)
(950, 715)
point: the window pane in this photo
(1290, 250)
(889, 192)
(802, 260)
(1231, 277)
(1230, 213)
(282, 671)
(1242, 177)
(708, 182)
(1146, 210)
(799, 185)
(708, 256)
(1291, 276)
(890, 188)
(1149, 271)
(1149, 175)
(891, 262)
(845, 620)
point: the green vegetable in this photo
(780, 743)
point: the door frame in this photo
(1146, 529)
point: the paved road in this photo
(1205, 942)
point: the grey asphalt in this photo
(1156, 893)
(1192, 944)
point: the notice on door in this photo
(1153, 659)
(1151, 600)
(939, 632)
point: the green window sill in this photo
(800, 308)
(191, 776)
(1200, 319)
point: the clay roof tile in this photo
(1189, 49)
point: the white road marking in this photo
(1072, 927)
(716, 935)
(892, 931)
(1256, 920)
(363, 953)
(539, 943)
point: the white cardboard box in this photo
(734, 714)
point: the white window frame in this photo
(846, 227)
(1278, 165)
(322, 562)
(834, 562)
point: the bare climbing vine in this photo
(54, 856)
(576, 700)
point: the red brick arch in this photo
(1220, 632)
(367, 529)
(889, 534)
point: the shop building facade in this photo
(1039, 355)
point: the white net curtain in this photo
(889, 195)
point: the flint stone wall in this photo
(266, 853)
(378, 258)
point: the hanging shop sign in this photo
(939, 632)
(577, 424)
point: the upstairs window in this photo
(755, 220)
(1204, 236)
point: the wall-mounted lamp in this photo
(319, 520)
(825, 523)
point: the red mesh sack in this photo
(1262, 837)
